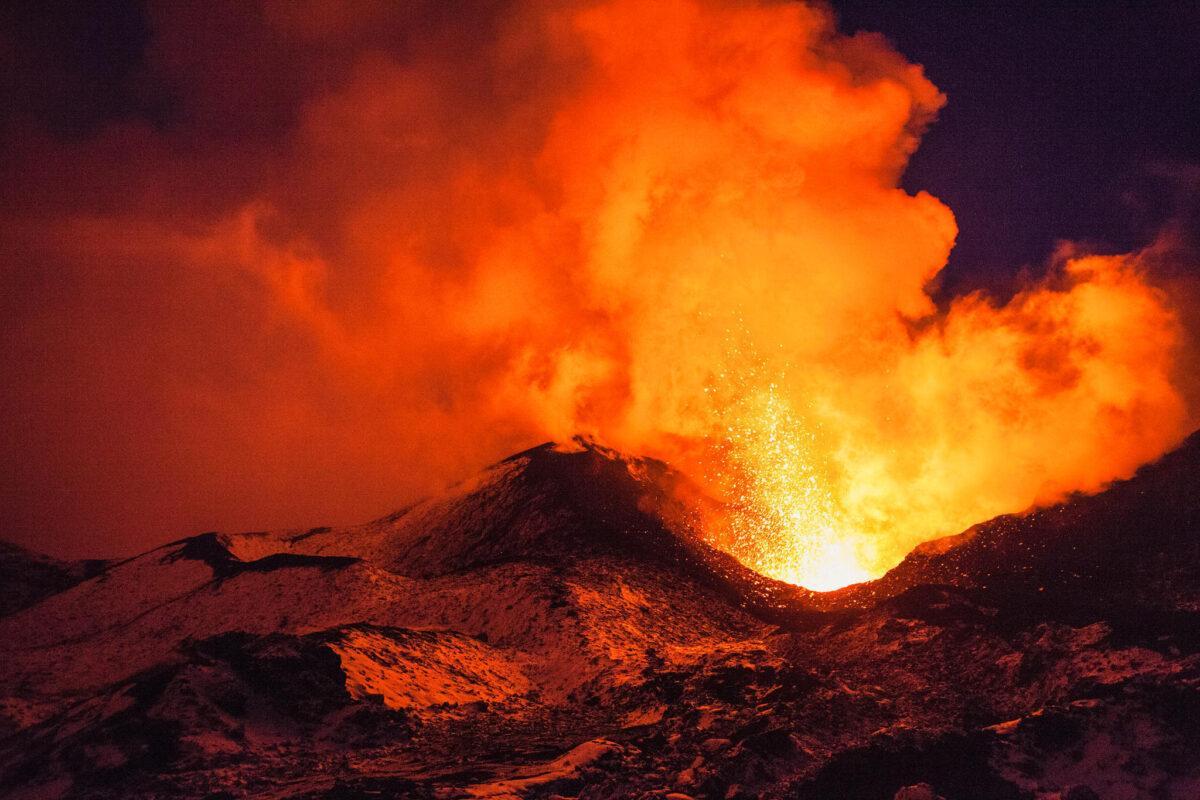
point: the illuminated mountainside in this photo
(554, 627)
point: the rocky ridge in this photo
(556, 627)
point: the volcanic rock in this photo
(555, 627)
(27, 577)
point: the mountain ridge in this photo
(556, 626)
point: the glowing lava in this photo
(785, 521)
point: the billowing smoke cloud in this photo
(371, 248)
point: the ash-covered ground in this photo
(552, 628)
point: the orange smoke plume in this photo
(729, 177)
(674, 225)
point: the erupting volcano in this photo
(800, 506)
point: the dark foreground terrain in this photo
(551, 628)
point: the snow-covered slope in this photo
(27, 577)
(550, 504)
(555, 626)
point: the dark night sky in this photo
(1064, 121)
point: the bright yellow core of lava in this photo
(785, 521)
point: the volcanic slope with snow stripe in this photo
(555, 626)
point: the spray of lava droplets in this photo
(781, 515)
(785, 520)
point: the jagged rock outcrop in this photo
(555, 627)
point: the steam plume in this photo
(676, 225)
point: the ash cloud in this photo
(314, 259)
